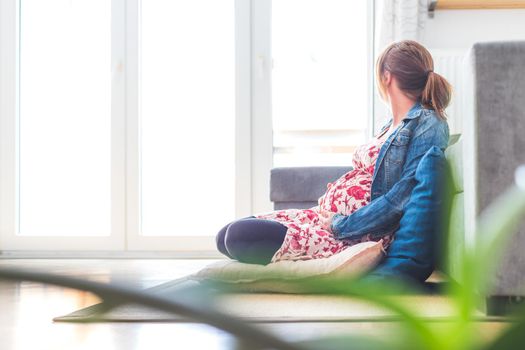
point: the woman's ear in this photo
(387, 79)
(384, 82)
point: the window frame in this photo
(9, 150)
(197, 245)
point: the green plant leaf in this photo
(511, 339)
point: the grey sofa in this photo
(483, 158)
(494, 137)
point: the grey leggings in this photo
(251, 240)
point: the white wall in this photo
(460, 29)
(450, 35)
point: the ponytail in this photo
(436, 93)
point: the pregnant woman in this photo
(366, 203)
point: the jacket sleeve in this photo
(382, 215)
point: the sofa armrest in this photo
(301, 187)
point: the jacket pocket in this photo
(402, 138)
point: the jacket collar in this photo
(415, 111)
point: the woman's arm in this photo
(382, 215)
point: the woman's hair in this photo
(413, 67)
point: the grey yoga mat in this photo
(274, 307)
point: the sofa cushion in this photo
(302, 184)
(412, 253)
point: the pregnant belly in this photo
(349, 193)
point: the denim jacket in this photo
(394, 175)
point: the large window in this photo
(65, 117)
(187, 86)
(148, 125)
(320, 79)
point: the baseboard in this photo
(20, 254)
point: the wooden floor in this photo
(27, 309)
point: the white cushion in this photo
(351, 262)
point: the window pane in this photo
(65, 121)
(319, 81)
(188, 116)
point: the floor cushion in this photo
(276, 277)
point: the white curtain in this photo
(401, 20)
(396, 20)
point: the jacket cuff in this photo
(336, 219)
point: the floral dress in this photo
(305, 238)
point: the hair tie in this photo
(429, 71)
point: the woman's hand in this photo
(325, 219)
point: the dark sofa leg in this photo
(503, 305)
